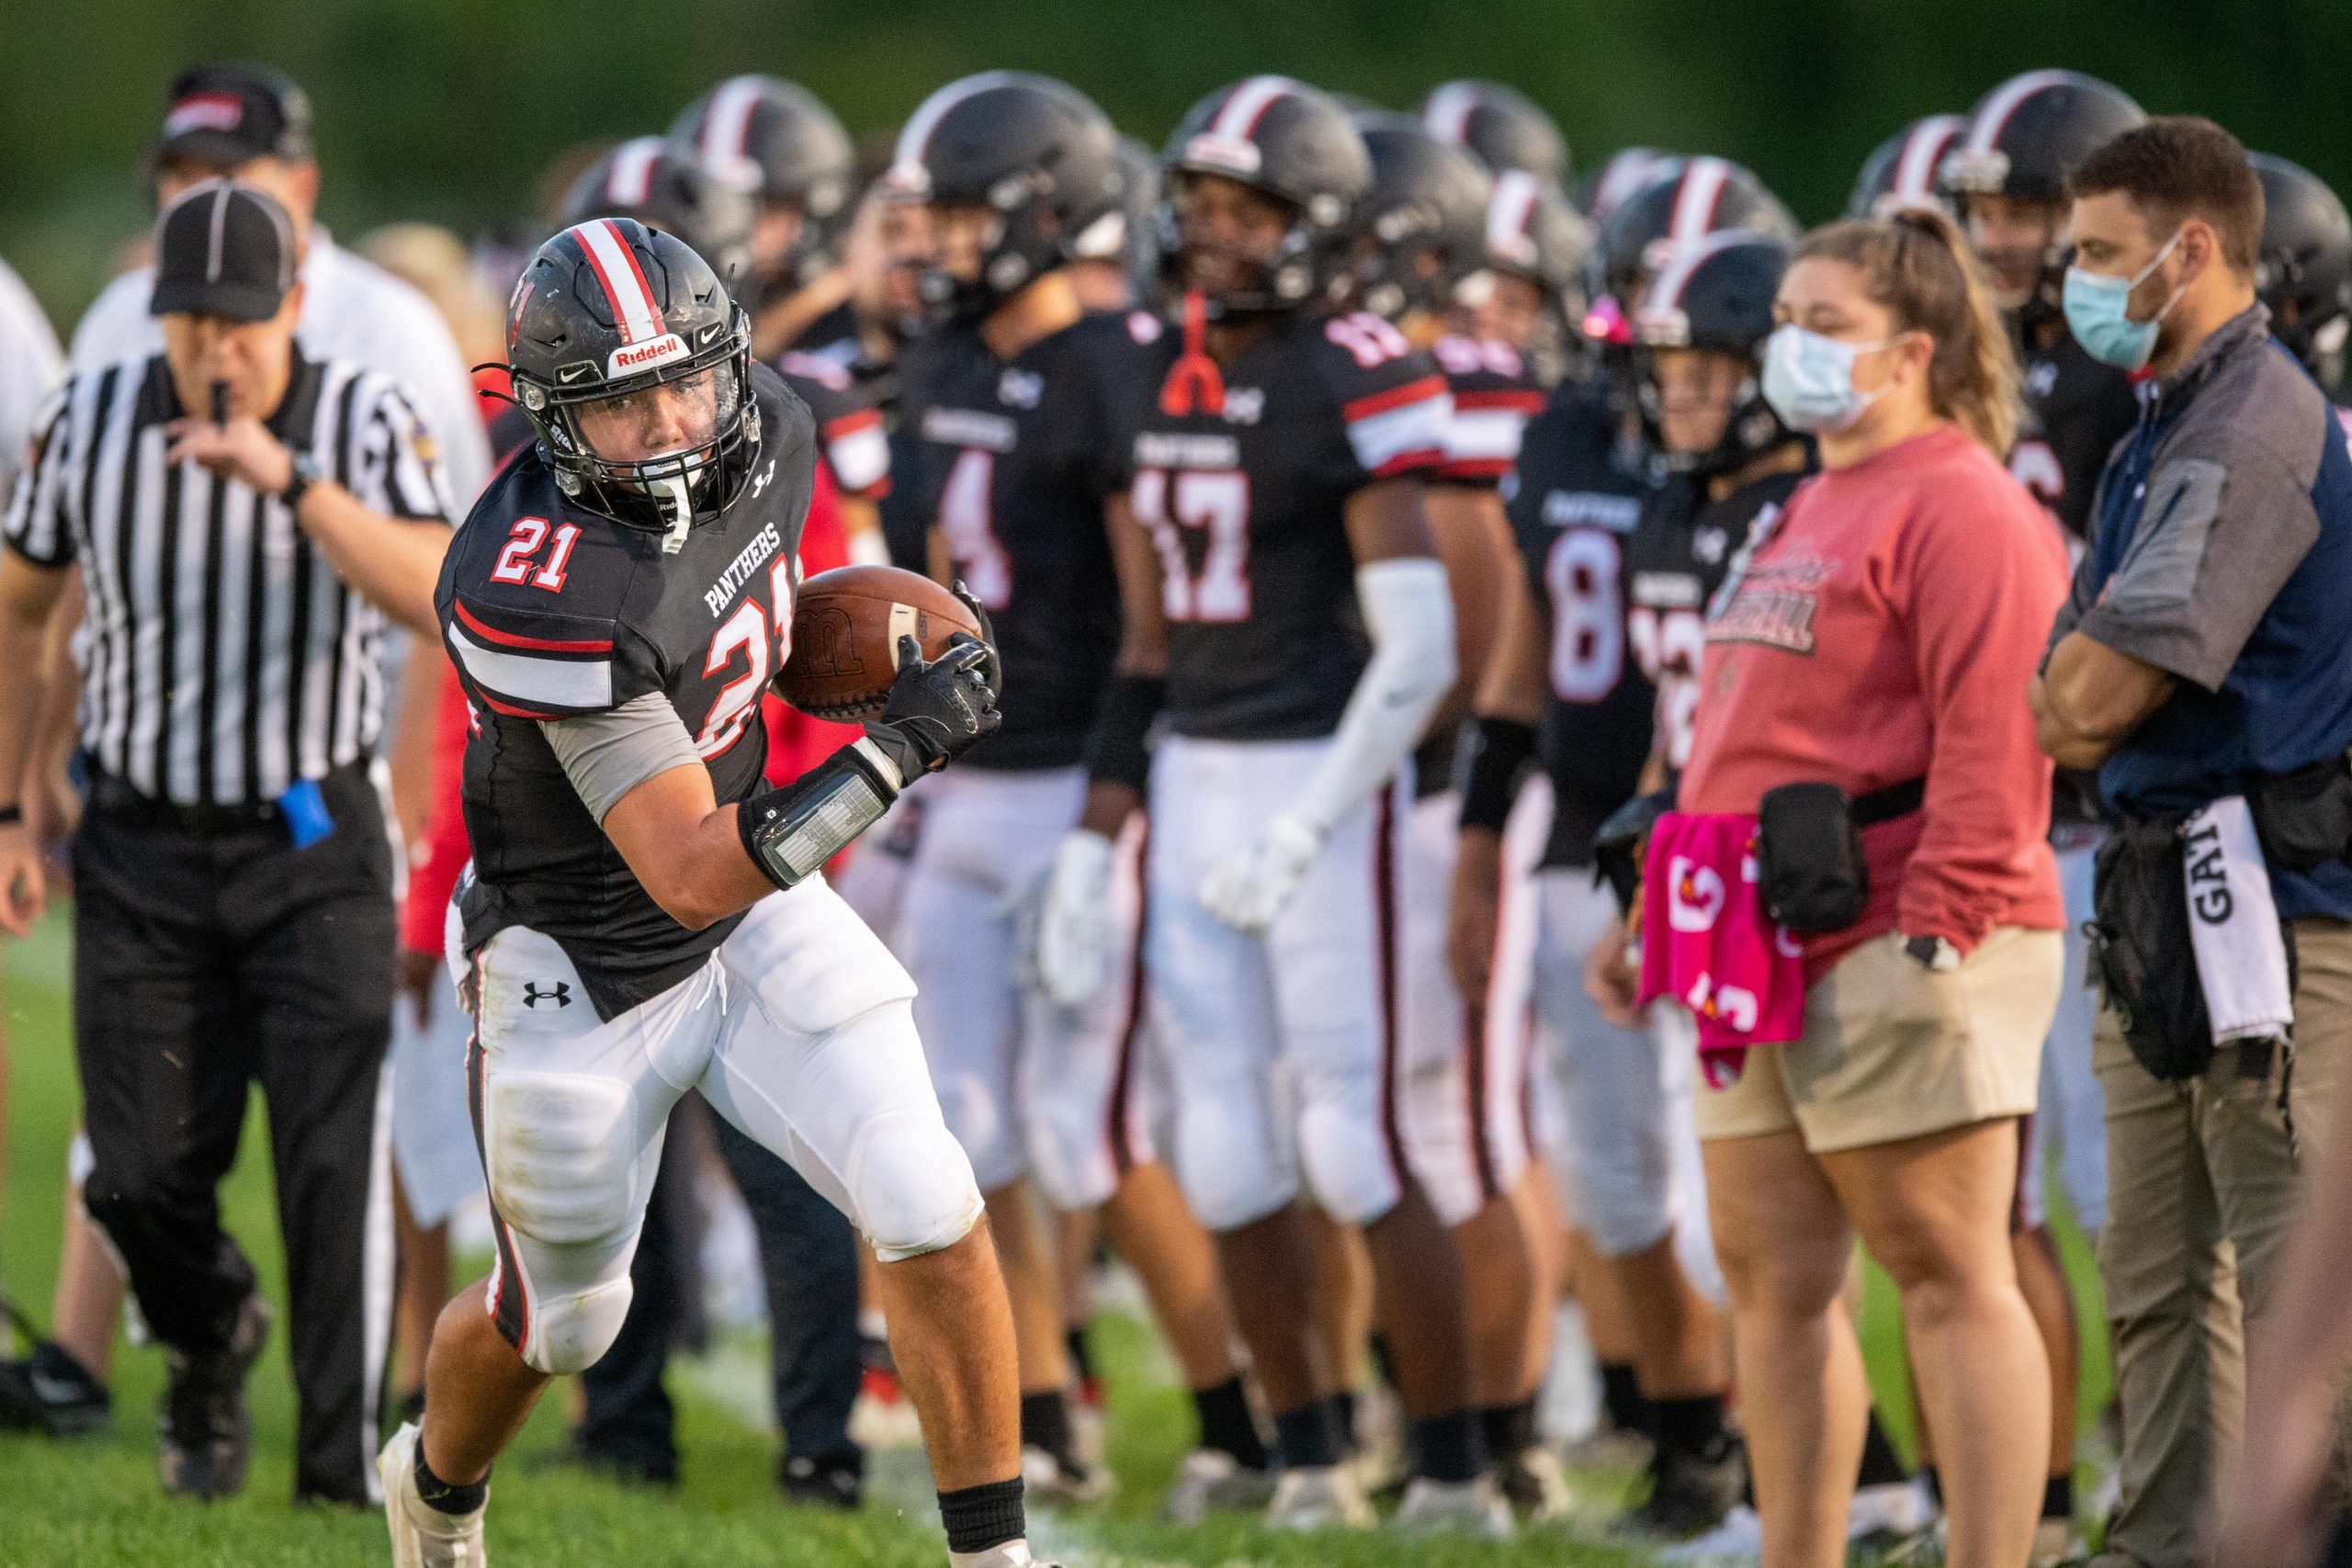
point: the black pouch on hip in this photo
(2143, 952)
(2305, 818)
(1809, 864)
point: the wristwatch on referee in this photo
(306, 474)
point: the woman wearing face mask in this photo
(1877, 636)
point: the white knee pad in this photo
(1343, 1145)
(913, 1186)
(570, 1333)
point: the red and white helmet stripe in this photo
(1921, 155)
(1696, 198)
(1447, 114)
(615, 264)
(726, 142)
(907, 175)
(629, 182)
(1507, 213)
(1993, 116)
(1247, 104)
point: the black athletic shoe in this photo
(1690, 1492)
(204, 1437)
(833, 1481)
(51, 1393)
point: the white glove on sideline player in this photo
(1074, 935)
(1248, 889)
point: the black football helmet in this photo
(1625, 174)
(2026, 135)
(778, 141)
(1286, 140)
(1035, 151)
(1135, 245)
(611, 307)
(1906, 169)
(663, 188)
(1423, 222)
(1501, 127)
(1532, 231)
(2303, 272)
(1717, 293)
(1646, 229)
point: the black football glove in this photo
(993, 670)
(937, 710)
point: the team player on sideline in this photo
(1013, 407)
(643, 917)
(1281, 578)
(1421, 256)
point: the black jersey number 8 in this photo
(1214, 502)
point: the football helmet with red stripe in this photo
(2303, 271)
(1499, 126)
(606, 312)
(1285, 140)
(1702, 195)
(1906, 169)
(2026, 136)
(652, 181)
(776, 142)
(1715, 296)
(1423, 224)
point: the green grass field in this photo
(95, 1503)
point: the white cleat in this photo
(1213, 1481)
(1738, 1540)
(1316, 1497)
(423, 1536)
(1454, 1507)
(1893, 1510)
(1011, 1554)
(1065, 1482)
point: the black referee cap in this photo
(229, 112)
(223, 249)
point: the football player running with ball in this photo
(1284, 579)
(644, 917)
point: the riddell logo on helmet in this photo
(634, 356)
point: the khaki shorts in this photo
(1893, 1050)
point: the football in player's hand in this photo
(845, 629)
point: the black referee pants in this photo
(205, 962)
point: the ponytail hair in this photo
(1916, 263)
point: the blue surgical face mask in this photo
(1809, 379)
(2096, 307)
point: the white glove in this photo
(1248, 888)
(1074, 935)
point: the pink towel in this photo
(1707, 942)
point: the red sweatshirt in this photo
(1884, 631)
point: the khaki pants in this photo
(2203, 1179)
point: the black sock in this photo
(1227, 1424)
(1510, 1431)
(1447, 1448)
(978, 1517)
(1044, 1422)
(1692, 1425)
(1082, 1365)
(442, 1496)
(2058, 1498)
(1343, 1412)
(1309, 1435)
(1881, 1466)
(1621, 1397)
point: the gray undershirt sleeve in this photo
(607, 754)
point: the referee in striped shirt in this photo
(246, 520)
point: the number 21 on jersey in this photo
(746, 632)
(519, 554)
(1213, 503)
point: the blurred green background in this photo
(450, 110)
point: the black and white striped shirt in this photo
(223, 658)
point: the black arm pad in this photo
(1118, 750)
(791, 833)
(1501, 749)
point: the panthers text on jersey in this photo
(1248, 505)
(2075, 411)
(1675, 560)
(1573, 500)
(849, 427)
(1495, 394)
(1011, 462)
(549, 610)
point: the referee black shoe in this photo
(204, 1436)
(48, 1391)
(830, 1481)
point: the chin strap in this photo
(1193, 383)
(680, 508)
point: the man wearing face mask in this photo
(2199, 666)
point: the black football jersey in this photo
(548, 610)
(849, 427)
(1495, 394)
(1675, 560)
(2075, 411)
(1011, 463)
(1573, 501)
(1248, 507)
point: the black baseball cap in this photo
(232, 111)
(223, 249)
